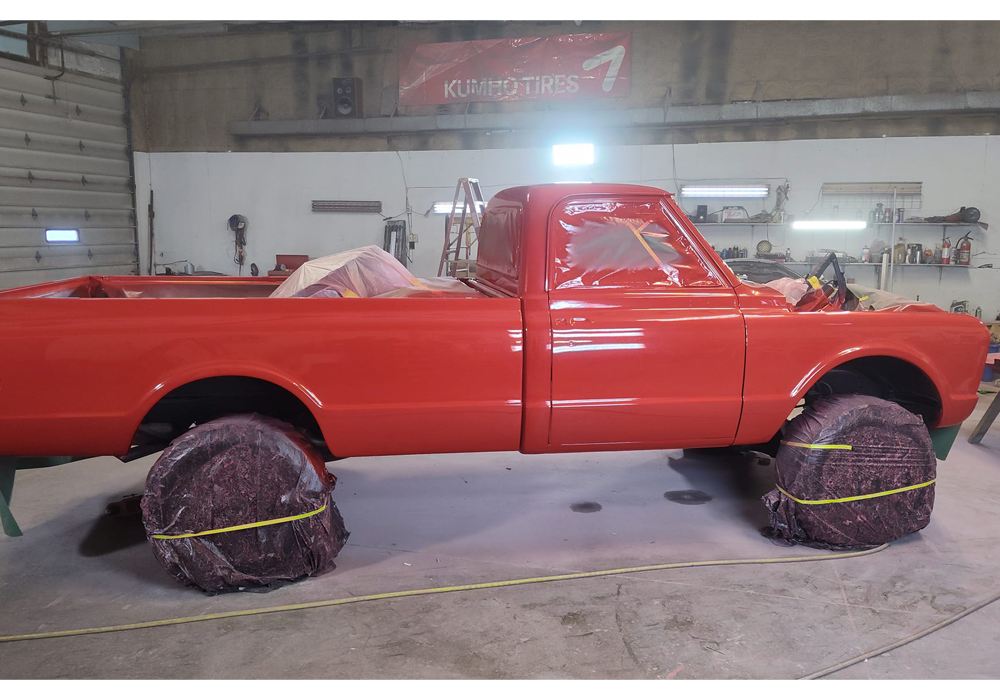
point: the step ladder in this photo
(461, 230)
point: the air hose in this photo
(429, 591)
(519, 582)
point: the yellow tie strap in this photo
(248, 526)
(855, 498)
(816, 447)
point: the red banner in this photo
(527, 68)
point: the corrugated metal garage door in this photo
(64, 164)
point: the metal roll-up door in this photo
(64, 164)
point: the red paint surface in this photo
(678, 352)
(515, 69)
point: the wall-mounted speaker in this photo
(343, 101)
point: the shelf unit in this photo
(878, 229)
(878, 264)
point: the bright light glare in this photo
(726, 191)
(829, 225)
(62, 235)
(573, 154)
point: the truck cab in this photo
(638, 336)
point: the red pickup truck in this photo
(600, 320)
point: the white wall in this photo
(195, 193)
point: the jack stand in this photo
(10, 527)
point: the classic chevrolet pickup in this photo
(599, 319)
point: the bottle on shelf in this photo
(946, 251)
(899, 252)
(879, 213)
(865, 254)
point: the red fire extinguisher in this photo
(946, 251)
(965, 249)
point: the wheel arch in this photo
(207, 394)
(901, 377)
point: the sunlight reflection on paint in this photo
(583, 346)
(310, 395)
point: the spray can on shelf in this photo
(899, 215)
(946, 251)
(866, 254)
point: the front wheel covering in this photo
(890, 448)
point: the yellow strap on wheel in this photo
(816, 447)
(248, 526)
(855, 498)
(814, 282)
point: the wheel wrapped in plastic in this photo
(852, 472)
(242, 502)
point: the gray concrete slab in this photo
(440, 520)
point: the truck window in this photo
(498, 253)
(623, 243)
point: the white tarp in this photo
(362, 272)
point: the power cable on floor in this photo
(902, 642)
(431, 591)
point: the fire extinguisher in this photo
(946, 251)
(964, 249)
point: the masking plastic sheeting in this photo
(242, 502)
(361, 272)
(435, 288)
(794, 288)
(630, 243)
(877, 299)
(852, 472)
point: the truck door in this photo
(648, 345)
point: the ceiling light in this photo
(62, 235)
(446, 207)
(726, 191)
(573, 154)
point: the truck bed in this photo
(381, 375)
(165, 287)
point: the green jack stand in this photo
(8, 467)
(10, 527)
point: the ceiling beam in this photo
(652, 117)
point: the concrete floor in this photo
(447, 519)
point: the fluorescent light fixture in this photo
(726, 191)
(62, 235)
(829, 225)
(573, 154)
(445, 207)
